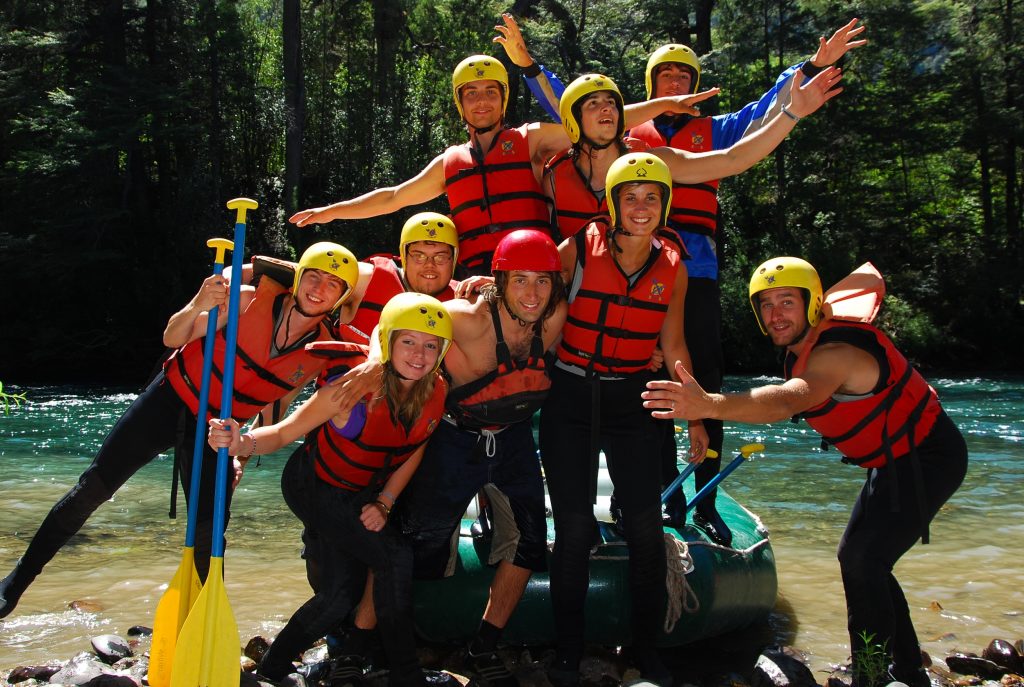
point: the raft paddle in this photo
(743, 454)
(184, 588)
(678, 481)
(208, 646)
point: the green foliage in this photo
(125, 126)
(871, 662)
(8, 399)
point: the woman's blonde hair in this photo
(406, 405)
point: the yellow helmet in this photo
(429, 226)
(673, 52)
(417, 312)
(331, 258)
(573, 97)
(792, 272)
(638, 168)
(478, 68)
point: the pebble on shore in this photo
(115, 662)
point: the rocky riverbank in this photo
(113, 661)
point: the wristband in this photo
(389, 495)
(789, 114)
(253, 449)
(811, 70)
(531, 71)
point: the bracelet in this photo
(253, 449)
(810, 69)
(383, 508)
(789, 114)
(531, 71)
(389, 495)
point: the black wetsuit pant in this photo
(155, 422)
(345, 551)
(876, 537)
(703, 332)
(631, 440)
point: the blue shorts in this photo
(455, 467)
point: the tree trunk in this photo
(702, 42)
(294, 104)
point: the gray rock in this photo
(78, 671)
(140, 631)
(111, 648)
(775, 668)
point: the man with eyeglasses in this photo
(428, 249)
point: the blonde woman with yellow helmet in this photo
(344, 480)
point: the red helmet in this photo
(529, 250)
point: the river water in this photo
(964, 588)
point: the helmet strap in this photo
(520, 321)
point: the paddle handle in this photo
(220, 246)
(743, 454)
(687, 471)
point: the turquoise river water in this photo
(964, 589)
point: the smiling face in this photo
(527, 294)
(481, 103)
(672, 79)
(639, 208)
(318, 292)
(414, 354)
(428, 266)
(599, 117)
(784, 313)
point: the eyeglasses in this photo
(438, 259)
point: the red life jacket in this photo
(881, 426)
(261, 376)
(510, 393)
(576, 203)
(379, 449)
(694, 206)
(385, 283)
(493, 196)
(612, 326)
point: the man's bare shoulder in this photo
(840, 367)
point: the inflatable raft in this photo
(712, 589)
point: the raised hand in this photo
(310, 216)
(829, 51)
(816, 92)
(512, 40)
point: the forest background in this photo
(127, 124)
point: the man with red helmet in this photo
(498, 380)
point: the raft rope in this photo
(681, 596)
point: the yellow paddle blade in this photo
(171, 612)
(208, 650)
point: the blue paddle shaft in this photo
(204, 402)
(715, 481)
(227, 389)
(677, 483)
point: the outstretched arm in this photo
(692, 168)
(638, 113)
(828, 368)
(310, 415)
(729, 128)
(426, 185)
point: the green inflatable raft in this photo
(712, 589)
